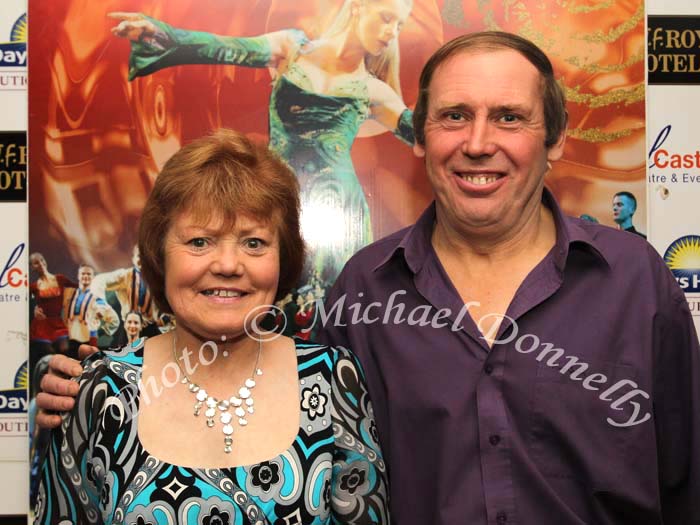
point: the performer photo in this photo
(325, 93)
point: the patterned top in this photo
(97, 470)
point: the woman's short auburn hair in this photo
(223, 174)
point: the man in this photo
(624, 205)
(132, 293)
(84, 313)
(519, 372)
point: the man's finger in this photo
(86, 351)
(47, 421)
(52, 384)
(64, 366)
(50, 403)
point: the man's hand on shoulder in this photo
(57, 390)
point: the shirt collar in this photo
(415, 245)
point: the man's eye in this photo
(454, 116)
(510, 118)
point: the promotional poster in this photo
(14, 374)
(115, 93)
(673, 146)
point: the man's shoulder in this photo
(629, 257)
(612, 243)
(367, 259)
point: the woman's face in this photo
(38, 264)
(379, 23)
(132, 325)
(215, 277)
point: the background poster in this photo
(673, 146)
(99, 140)
(13, 258)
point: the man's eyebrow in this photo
(459, 106)
(511, 108)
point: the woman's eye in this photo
(254, 244)
(198, 242)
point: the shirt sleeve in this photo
(171, 47)
(359, 481)
(677, 412)
(68, 488)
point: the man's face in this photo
(623, 208)
(484, 147)
(85, 276)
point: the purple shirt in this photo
(587, 410)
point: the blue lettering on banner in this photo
(6, 276)
(683, 259)
(13, 401)
(13, 54)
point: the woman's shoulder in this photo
(123, 363)
(308, 351)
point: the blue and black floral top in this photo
(97, 470)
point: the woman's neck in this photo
(348, 52)
(206, 359)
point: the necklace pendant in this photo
(210, 422)
(228, 441)
(197, 408)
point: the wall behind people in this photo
(13, 258)
(673, 179)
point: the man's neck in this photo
(475, 250)
(626, 225)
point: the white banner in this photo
(14, 440)
(673, 137)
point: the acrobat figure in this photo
(84, 313)
(132, 293)
(624, 205)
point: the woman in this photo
(323, 92)
(133, 323)
(47, 331)
(175, 429)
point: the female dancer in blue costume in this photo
(323, 91)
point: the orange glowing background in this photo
(97, 141)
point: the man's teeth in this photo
(480, 180)
(222, 293)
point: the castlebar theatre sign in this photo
(674, 49)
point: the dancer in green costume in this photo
(323, 92)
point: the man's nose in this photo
(478, 139)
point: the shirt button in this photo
(488, 369)
(495, 439)
(501, 517)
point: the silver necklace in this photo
(242, 404)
